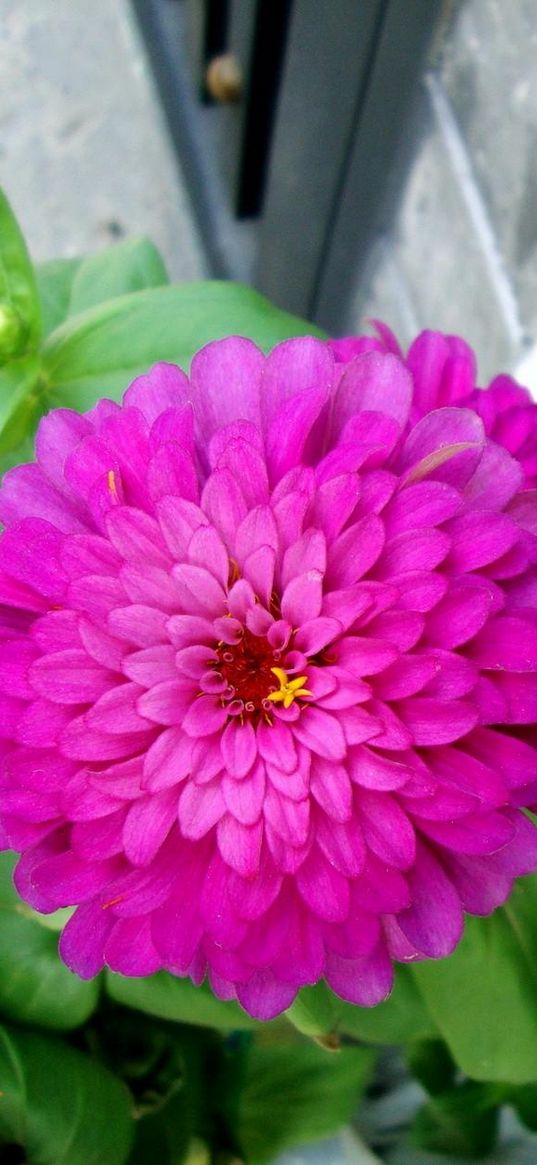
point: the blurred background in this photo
(348, 159)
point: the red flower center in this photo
(246, 667)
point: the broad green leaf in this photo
(132, 265)
(99, 352)
(21, 401)
(484, 996)
(54, 283)
(20, 317)
(459, 1122)
(61, 1106)
(295, 1093)
(179, 1000)
(35, 986)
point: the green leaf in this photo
(430, 1062)
(524, 1100)
(484, 996)
(403, 1017)
(295, 1093)
(132, 265)
(54, 282)
(20, 316)
(178, 999)
(99, 352)
(60, 1106)
(20, 401)
(35, 986)
(459, 1122)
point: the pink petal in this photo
(434, 922)
(479, 539)
(365, 982)
(200, 807)
(302, 598)
(287, 433)
(373, 382)
(354, 553)
(435, 722)
(240, 845)
(69, 677)
(164, 386)
(239, 748)
(117, 712)
(139, 624)
(83, 939)
(323, 888)
(170, 702)
(387, 830)
(423, 505)
(244, 799)
(168, 761)
(147, 825)
(225, 381)
(331, 787)
(321, 732)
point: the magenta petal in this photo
(225, 379)
(365, 982)
(244, 798)
(200, 808)
(130, 949)
(323, 888)
(287, 434)
(117, 712)
(164, 386)
(240, 845)
(321, 732)
(434, 922)
(331, 788)
(168, 760)
(373, 382)
(239, 748)
(147, 825)
(83, 939)
(69, 677)
(436, 722)
(302, 598)
(264, 997)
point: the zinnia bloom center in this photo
(250, 675)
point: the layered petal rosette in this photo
(268, 671)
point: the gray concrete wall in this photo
(84, 154)
(462, 252)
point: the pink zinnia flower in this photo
(269, 672)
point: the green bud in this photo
(12, 333)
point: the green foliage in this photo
(402, 1018)
(20, 316)
(54, 282)
(295, 1093)
(484, 997)
(61, 1106)
(132, 265)
(430, 1062)
(98, 352)
(35, 987)
(165, 996)
(461, 1122)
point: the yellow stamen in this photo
(289, 690)
(111, 480)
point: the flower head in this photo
(268, 669)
